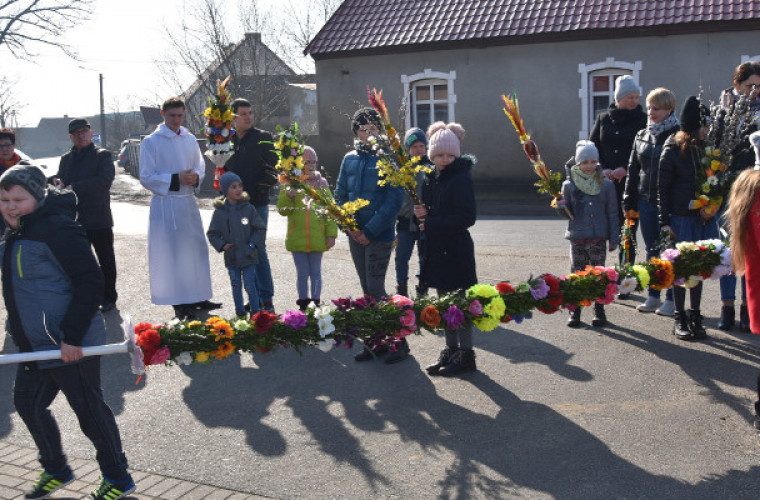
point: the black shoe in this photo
(206, 304)
(744, 318)
(370, 354)
(600, 318)
(184, 312)
(462, 361)
(574, 321)
(402, 289)
(681, 326)
(268, 306)
(399, 354)
(302, 304)
(443, 360)
(727, 318)
(48, 483)
(695, 324)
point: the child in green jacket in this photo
(309, 235)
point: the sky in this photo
(125, 41)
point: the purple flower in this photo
(671, 254)
(454, 317)
(475, 308)
(365, 302)
(342, 304)
(540, 290)
(294, 319)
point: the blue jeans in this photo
(308, 267)
(650, 230)
(404, 250)
(248, 274)
(263, 270)
(34, 392)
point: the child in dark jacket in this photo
(592, 201)
(53, 287)
(237, 230)
(448, 252)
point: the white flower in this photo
(720, 271)
(325, 345)
(184, 358)
(225, 132)
(725, 257)
(241, 325)
(712, 180)
(693, 281)
(686, 246)
(627, 286)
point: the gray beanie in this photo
(29, 177)
(625, 85)
(754, 138)
(226, 180)
(585, 150)
(413, 135)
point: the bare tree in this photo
(120, 124)
(39, 22)
(9, 106)
(305, 20)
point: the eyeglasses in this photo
(5, 146)
(81, 131)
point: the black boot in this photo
(443, 360)
(303, 304)
(574, 321)
(368, 354)
(681, 326)
(402, 288)
(462, 361)
(316, 302)
(399, 354)
(600, 318)
(184, 312)
(727, 318)
(744, 318)
(695, 324)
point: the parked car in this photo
(123, 160)
(28, 158)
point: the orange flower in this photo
(430, 316)
(223, 350)
(218, 123)
(212, 320)
(222, 330)
(585, 302)
(218, 139)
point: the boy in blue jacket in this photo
(53, 288)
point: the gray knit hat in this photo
(625, 85)
(29, 177)
(226, 180)
(585, 150)
(413, 135)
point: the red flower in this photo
(141, 327)
(263, 321)
(505, 288)
(149, 340)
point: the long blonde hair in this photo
(742, 197)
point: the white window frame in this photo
(409, 81)
(585, 70)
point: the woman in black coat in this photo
(448, 253)
(613, 134)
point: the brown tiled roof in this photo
(385, 24)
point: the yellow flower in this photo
(223, 350)
(212, 320)
(486, 323)
(194, 323)
(484, 291)
(207, 112)
(299, 161)
(495, 308)
(642, 274)
(201, 357)
(216, 115)
(715, 165)
(227, 116)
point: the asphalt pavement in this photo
(625, 411)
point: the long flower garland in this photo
(377, 322)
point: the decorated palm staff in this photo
(396, 166)
(628, 236)
(218, 129)
(549, 182)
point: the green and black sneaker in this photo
(48, 483)
(109, 490)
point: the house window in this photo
(429, 97)
(598, 88)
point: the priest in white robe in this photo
(172, 167)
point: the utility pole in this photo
(102, 116)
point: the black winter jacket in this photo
(676, 187)
(52, 284)
(613, 134)
(90, 173)
(448, 261)
(254, 161)
(644, 167)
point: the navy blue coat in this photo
(90, 173)
(448, 261)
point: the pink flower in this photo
(454, 317)
(160, 356)
(408, 319)
(612, 275)
(404, 332)
(475, 308)
(294, 319)
(401, 302)
(609, 294)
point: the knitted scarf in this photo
(5, 164)
(590, 184)
(657, 128)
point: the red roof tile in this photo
(366, 24)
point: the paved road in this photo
(621, 412)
